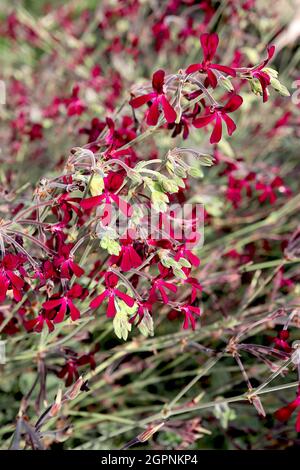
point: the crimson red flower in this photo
(128, 257)
(281, 341)
(236, 187)
(112, 183)
(11, 328)
(209, 43)
(66, 264)
(268, 189)
(93, 132)
(88, 358)
(218, 114)
(284, 413)
(161, 285)
(195, 285)
(111, 281)
(35, 131)
(158, 100)
(190, 312)
(37, 324)
(262, 76)
(67, 205)
(74, 104)
(70, 371)
(8, 277)
(65, 304)
(183, 125)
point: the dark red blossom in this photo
(65, 263)
(70, 371)
(65, 304)
(209, 44)
(190, 313)
(128, 257)
(93, 132)
(65, 206)
(35, 131)
(281, 341)
(261, 75)
(160, 284)
(44, 318)
(236, 186)
(74, 104)
(112, 183)
(158, 101)
(10, 276)
(268, 189)
(284, 413)
(11, 326)
(111, 281)
(183, 125)
(217, 114)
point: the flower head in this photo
(217, 115)
(111, 293)
(65, 304)
(209, 43)
(158, 101)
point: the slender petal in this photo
(158, 80)
(97, 301)
(217, 132)
(169, 112)
(126, 298)
(231, 127)
(203, 120)
(153, 114)
(91, 202)
(193, 68)
(209, 43)
(232, 104)
(141, 100)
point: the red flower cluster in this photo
(130, 276)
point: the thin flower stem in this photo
(272, 377)
(200, 374)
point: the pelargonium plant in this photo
(112, 240)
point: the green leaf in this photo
(121, 323)
(112, 246)
(179, 273)
(184, 263)
(97, 185)
(281, 89)
(160, 201)
(146, 326)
